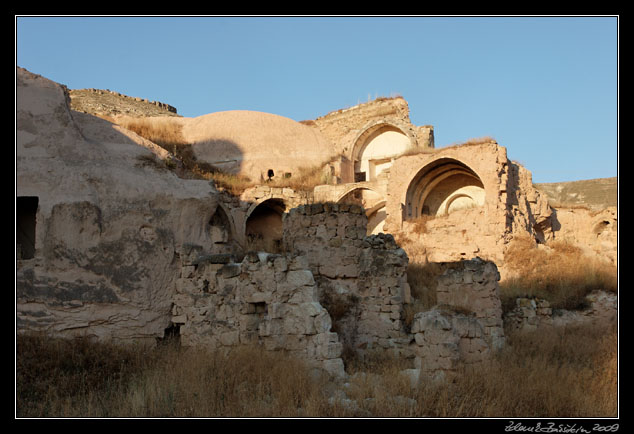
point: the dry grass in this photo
(77, 378)
(306, 178)
(559, 273)
(166, 134)
(568, 372)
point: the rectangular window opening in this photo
(26, 211)
(257, 308)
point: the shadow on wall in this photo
(223, 154)
(264, 226)
(101, 138)
(443, 186)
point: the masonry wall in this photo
(466, 326)
(367, 275)
(269, 300)
(508, 205)
(472, 286)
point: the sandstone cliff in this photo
(100, 221)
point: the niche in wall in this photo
(25, 213)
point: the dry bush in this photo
(166, 134)
(423, 280)
(559, 273)
(422, 283)
(304, 178)
(232, 183)
(419, 224)
(469, 142)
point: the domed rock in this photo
(256, 144)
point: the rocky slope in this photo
(109, 103)
(594, 193)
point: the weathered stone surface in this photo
(267, 302)
(374, 318)
(445, 339)
(473, 286)
(533, 313)
(105, 232)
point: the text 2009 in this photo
(606, 428)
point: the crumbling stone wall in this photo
(341, 126)
(266, 299)
(350, 266)
(511, 205)
(533, 313)
(444, 340)
(465, 326)
(472, 286)
(595, 231)
(529, 314)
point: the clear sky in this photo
(546, 88)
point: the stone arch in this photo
(372, 202)
(458, 201)
(263, 225)
(221, 227)
(374, 148)
(442, 187)
(376, 218)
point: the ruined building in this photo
(111, 244)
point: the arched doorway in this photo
(375, 148)
(442, 187)
(263, 227)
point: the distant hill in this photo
(108, 103)
(594, 193)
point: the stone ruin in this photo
(332, 272)
(111, 245)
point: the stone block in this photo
(300, 278)
(230, 339)
(334, 367)
(230, 270)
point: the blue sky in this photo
(546, 88)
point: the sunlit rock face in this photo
(99, 221)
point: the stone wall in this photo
(595, 231)
(465, 327)
(269, 300)
(445, 340)
(472, 286)
(343, 126)
(507, 204)
(531, 314)
(368, 273)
